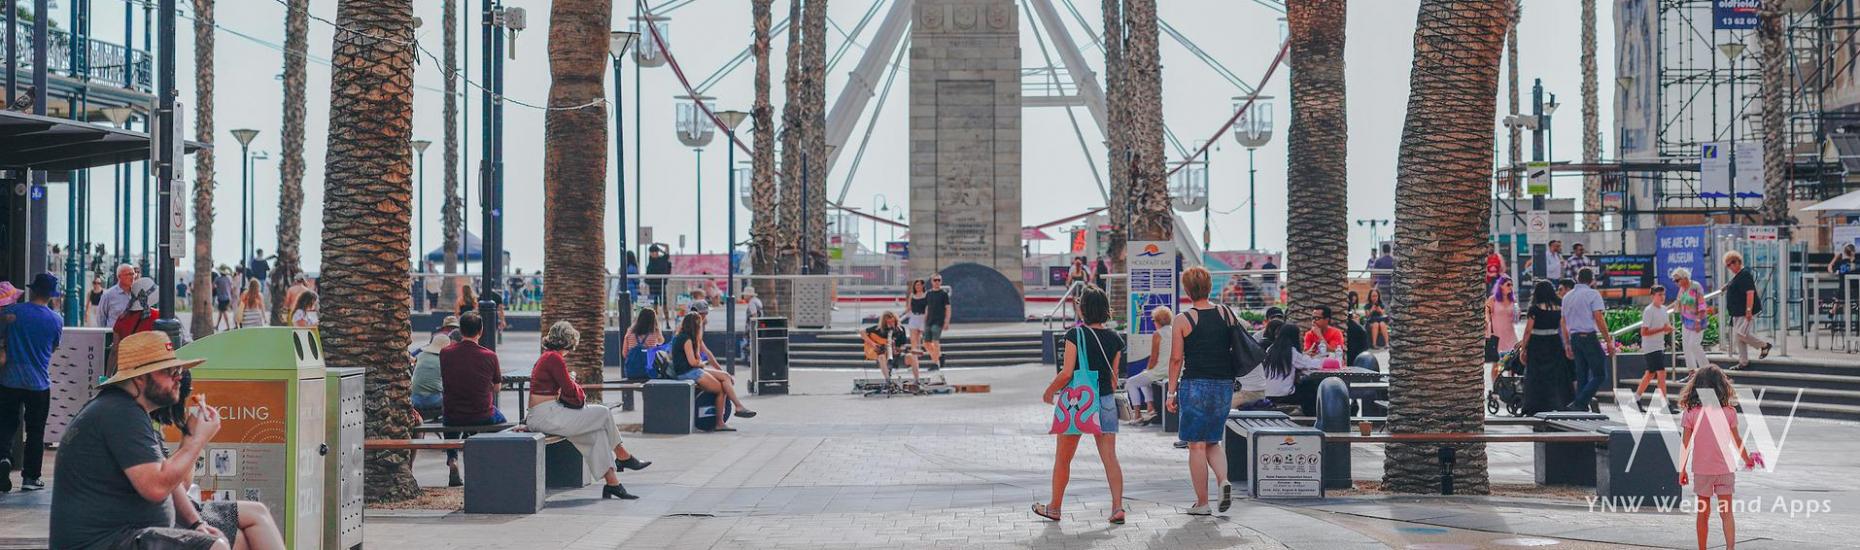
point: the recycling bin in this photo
(268, 386)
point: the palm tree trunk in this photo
(452, 211)
(1515, 144)
(1775, 85)
(1440, 210)
(201, 300)
(1591, 124)
(1317, 142)
(765, 210)
(291, 157)
(1152, 213)
(574, 182)
(1117, 137)
(367, 224)
(793, 111)
(814, 98)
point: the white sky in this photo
(707, 33)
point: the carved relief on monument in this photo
(930, 17)
(1000, 17)
(965, 17)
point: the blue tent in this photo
(474, 251)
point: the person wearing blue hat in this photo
(32, 332)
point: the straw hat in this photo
(145, 352)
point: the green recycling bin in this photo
(268, 385)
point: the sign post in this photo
(1152, 284)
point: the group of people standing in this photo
(1566, 342)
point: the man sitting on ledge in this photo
(886, 343)
(115, 488)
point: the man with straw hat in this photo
(114, 482)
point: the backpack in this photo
(636, 363)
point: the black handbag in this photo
(1247, 352)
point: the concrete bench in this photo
(506, 469)
(1650, 474)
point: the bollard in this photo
(1049, 347)
(1333, 416)
(1367, 361)
(1446, 470)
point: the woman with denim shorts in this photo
(1201, 386)
(1101, 347)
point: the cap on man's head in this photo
(700, 307)
(44, 285)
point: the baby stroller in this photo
(1508, 389)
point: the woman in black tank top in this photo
(1201, 386)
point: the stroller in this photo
(1508, 390)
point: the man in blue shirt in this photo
(1588, 338)
(32, 332)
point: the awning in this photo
(36, 142)
(1845, 203)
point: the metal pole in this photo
(625, 303)
(804, 216)
(165, 161)
(700, 200)
(729, 250)
(494, 193)
(1207, 208)
(245, 202)
(487, 308)
(1733, 123)
(639, 149)
(1537, 155)
(148, 22)
(1252, 203)
(419, 252)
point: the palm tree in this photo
(1152, 214)
(1316, 171)
(450, 212)
(367, 224)
(574, 182)
(291, 163)
(1591, 125)
(1117, 139)
(765, 225)
(814, 98)
(792, 128)
(202, 298)
(1775, 84)
(1441, 207)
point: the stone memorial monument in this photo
(965, 140)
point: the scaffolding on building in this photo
(1824, 113)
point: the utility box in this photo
(342, 468)
(268, 385)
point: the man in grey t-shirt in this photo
(114, 487)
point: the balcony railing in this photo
(109, 63)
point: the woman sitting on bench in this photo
(886, 343)
(688, 362)
(557, 407)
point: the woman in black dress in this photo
(1545, 358)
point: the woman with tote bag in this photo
(1085, 402)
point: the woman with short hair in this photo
(558, 407)
(1201, 385)
(1099, 348)
(1142, 397)
(1695, 313)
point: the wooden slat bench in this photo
(1482, 437)
(627, 389)
(433, 427)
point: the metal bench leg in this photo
(626, 400)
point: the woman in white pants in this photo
(1690, 302)
(558, 407)
(1138, 386)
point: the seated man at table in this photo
(887, 344)
(470, 375)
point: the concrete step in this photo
(1783, 379)
(1774, 405)
(862, 363)
(1770, 393)
(1793, 365)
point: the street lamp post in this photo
(1253, 130)
(617, 44)
(245, 136)
(730, 119)
(252, 189)
(695, 131)
(419, 250)
(880, 203)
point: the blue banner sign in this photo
(1733, 15)
(1680, 247)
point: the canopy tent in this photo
(474, 251)
(1844, 204)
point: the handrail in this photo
(1635, 327)
(1047, 321)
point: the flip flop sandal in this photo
(724, 429)
(1117, 516)
(1040, 509)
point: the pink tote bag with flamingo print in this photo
(1075, 412)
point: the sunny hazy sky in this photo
(707, 33)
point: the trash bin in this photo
(268, 386)
(771, 372)
(342, 468)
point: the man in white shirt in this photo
(115, 300)
(1553, 261)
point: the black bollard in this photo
(1333, 416)
(1446, 470)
